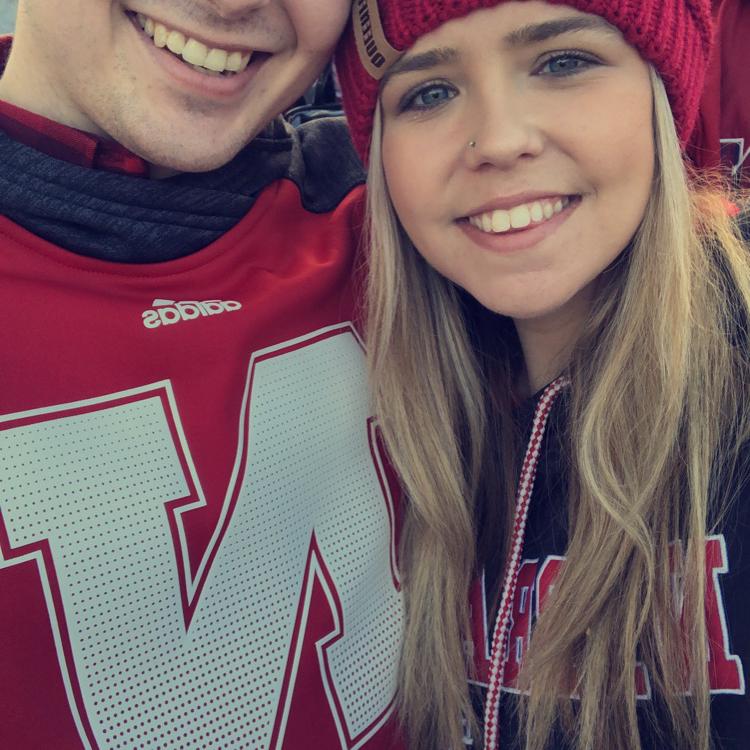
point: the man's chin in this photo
(172, 157)
(169, 164)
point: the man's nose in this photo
(236, 9)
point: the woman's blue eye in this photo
(428, 97)
(566, 65)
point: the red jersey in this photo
(197, 542)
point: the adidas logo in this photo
(168, 312)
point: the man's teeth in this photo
(520, 217)
(192, 51)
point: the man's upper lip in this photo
(210, 43)
(507, 202)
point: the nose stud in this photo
(472, 144)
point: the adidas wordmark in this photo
(168, 312)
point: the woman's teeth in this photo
(193, 52)
(520, 217)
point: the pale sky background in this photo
(7, 15)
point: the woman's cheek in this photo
(412, 177)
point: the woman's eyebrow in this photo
(521, 37)
(541, 32)
(423, 61)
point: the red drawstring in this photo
(523, 498)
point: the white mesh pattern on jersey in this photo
(95, 486)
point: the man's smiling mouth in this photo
(209, 60)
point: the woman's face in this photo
(559, 108)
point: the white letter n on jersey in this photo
(94, 493)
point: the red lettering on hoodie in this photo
(535, 583)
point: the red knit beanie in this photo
(675, 36)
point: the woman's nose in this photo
(501, 129)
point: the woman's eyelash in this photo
(410, 100)
(580, 61)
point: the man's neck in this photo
(28, 91)
(26, 84)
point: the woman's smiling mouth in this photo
(519, 217)
(518, 225)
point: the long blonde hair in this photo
(657, 409)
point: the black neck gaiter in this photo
(128, 219)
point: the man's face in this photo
(190, 89)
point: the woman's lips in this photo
(525, 234)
